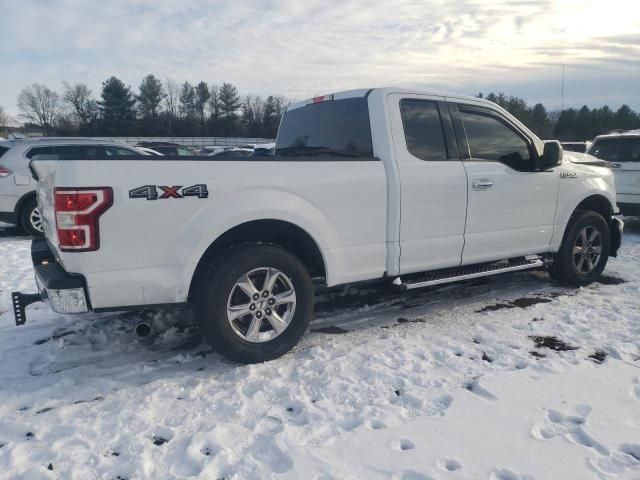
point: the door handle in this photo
(615, 165)
(482, 185)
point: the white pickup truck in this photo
(413, 188)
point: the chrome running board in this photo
(471, 271)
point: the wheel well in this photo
(24, 199)
(597, 203)
(285, 234)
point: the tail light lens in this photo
(4, 172)
(78, 211)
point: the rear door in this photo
(433, 183)
(512, 205)
(624, 155)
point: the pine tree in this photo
(150, 96)
(117, 107)
(187, 100)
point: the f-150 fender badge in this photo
(150, 192)
(568, 175)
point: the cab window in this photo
(423, 129)
(490, 138)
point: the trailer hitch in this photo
(20, 302)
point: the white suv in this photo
(623, 151)
(18, 203)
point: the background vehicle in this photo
(17, 188)
(234, 152)
(149, 151)
(623, 151)
(244, 240)
(168, 148)
(580, 147)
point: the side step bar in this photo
(469, 272)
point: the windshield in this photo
(617, 149)
(333, 127)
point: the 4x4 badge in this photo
(150, 192)
(568, 175)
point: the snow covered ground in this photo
(506, 378)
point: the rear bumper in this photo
(65, 292)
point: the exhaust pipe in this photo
(143, 329)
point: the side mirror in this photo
(552, 155)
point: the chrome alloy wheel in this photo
(261, 305)
(36, 220)
(587, 250)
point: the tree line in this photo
(168, 108)
(157, 108)
(569, 124)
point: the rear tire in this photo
(30, 219)
(261, 326)
(584, 251)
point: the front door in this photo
(433, 183)
(512, 206)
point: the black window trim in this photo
(450, 147)
(488, 112)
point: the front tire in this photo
(253, 303)
(30, 218)
(584, 251)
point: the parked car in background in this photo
(206, 150)
(263, 149)
(623, 151)
(17, 188)
(149, 151)
(580, 147)
(168, 148)
(234, 152)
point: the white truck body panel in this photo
(150, 249)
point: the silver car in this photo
(17, 187)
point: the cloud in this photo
(304, 48)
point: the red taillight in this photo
(4, 172)
(322, 98)
(77, 213)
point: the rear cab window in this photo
(423, 130)
(617, 149)
(337, 128)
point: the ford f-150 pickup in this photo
(413, 188)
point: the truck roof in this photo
(364, 92)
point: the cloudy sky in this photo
(300, 48)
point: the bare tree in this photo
(83, 107)
(171, 100)
(214, 105)
(253, 108)
(39, 105)
(4, 118)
